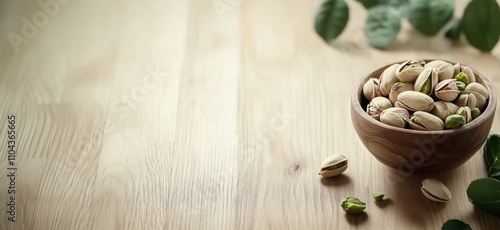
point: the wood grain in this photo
(173, 115)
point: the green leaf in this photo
(453, 30)
(429, 16)
(455, 224)
(382, 26)
(369, 3)
(494, 169)
(331, 19)
(481, 24)
(491, 149)
(485, 194)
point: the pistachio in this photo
(444, 71)
(333, 165)
(475, 112)
(443, 109)
(435, 63)
(377, 105)
(454, 121)
(480, 100)
(378, 196)
(395, 117)
(409, 70)
(387, 79)
(457, 68)
(398, 88)
(466, 113)
(466, 99)
(447, 90)
(414, 101)
(478, 88)
(425, 121)
(462, 77)
(352, 205)
(371, 89)
(469, 72)
(461, 86)
(435, 190)
(426, 81)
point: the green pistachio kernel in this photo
(378, 196)
(352, 205)
(475, 112)
(454, 121)
(462, 77)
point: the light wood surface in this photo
(170, 115)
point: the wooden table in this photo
(174, 115)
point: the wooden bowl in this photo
(420, 151)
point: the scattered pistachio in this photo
(378, 196)
(333, 165)
(352, 205)
(435, 190)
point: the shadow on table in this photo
(340, 180)
(411, 203)
(356, 219)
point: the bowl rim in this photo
(487, 113)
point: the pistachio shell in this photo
(443, 109)
(447, 90)
(409, 70)
(435, 190)
(387, 79)
(371, 89)
(398, 88)
(426, 81)
(435, 63)
(469, 72)
(377, 105)
(395, 117)
(467, 99)
(414, 101)
(476, 87)
(333, 165)
(466, 113)
(480, 100)
(444, 71)
(456, 69)
(426, 121)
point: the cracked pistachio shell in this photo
(447, 90)
(395, 117)
(377, 105)
(480, 100)
(457, 68)
(478, 88)
(466, 99)
(371, 89)
(466, 113)
(398, 88)
(435, 190)
(444, 71)
(409, 70)
(414, 101)
(469, 72)
(387, 79)
(443, 109)
(333, 165)
(426, 81)
(425, 121)
(435, 63)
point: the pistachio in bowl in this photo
(423, 115)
